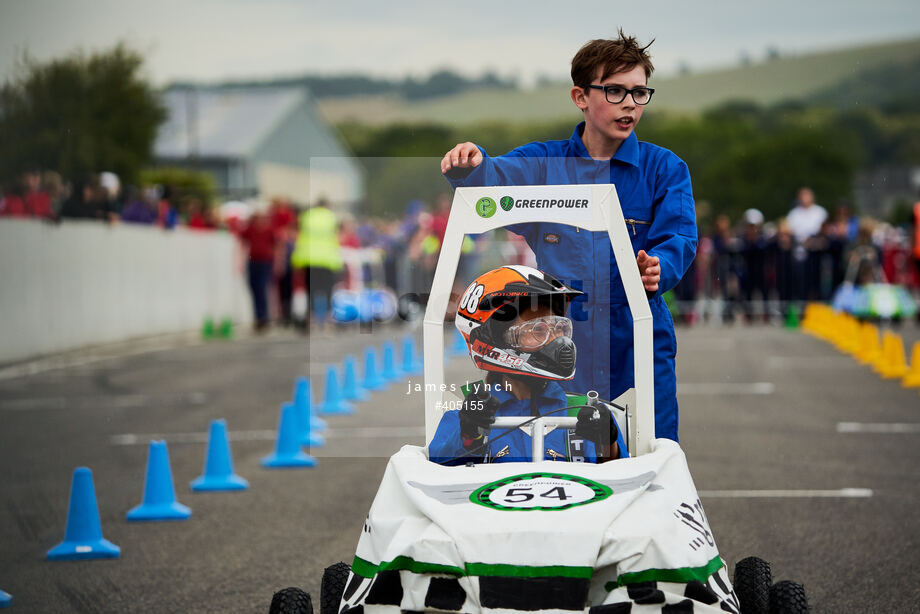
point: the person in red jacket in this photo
(261, 239)
(28, 199)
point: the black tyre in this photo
(291, 600)
(788, 598)
(335, 577)
(752, 585)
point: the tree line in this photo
(86, 113)
(740, 154)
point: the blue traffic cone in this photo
(334, 403)
(83, 535)
(350, 388)
(218, 463)
(159, 493)
(287, 448)
(390, 372)
(411, 364)
(372, 379)
(459, 346)
(5, 599)
(307, 436)
(303, 395)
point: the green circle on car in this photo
(543, 491)
(485, 207)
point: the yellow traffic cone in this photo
(814, 320)
(892, 364)
(848, 336)
(869, 348)
(912, 379)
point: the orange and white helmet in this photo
(487, 314)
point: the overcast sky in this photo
(212, 40)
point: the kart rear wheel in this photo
(788, 598)
(291, 600)
(335, 577)
(752, 585)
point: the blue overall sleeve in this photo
(446, 443)
(672, 236)
(524, 165)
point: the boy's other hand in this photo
(464, 155)
(649, 270)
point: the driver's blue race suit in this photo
(561, 444)
(653, 186)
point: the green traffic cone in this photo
(792, 317)
(207, 329)
(226, 328)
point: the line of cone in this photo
(298, 426)
(861, 340)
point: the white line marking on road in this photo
(810, 362)
(359, 432)
(846, 493)
(727, 388)
(75, 359)
(118, 401)
(878, 427)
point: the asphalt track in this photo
(761, 409)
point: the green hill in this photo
(793, 77)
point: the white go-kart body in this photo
(545, 535)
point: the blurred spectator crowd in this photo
(750, 268)
(758, 270)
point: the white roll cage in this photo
(602, 212)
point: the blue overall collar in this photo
(628, 151)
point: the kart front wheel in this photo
(753, 578)
(291, 600)
(335, 577)
(788, 598)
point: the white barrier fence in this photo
(84, 283)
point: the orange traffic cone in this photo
(892, 363)
(912, 379)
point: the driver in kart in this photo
(513, 321)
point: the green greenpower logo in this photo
(546, 492)
(507, 203)
(485, 207)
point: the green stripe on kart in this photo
(367, 569)
(680, 575)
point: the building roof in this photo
(225, 122)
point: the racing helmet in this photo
(487, 318)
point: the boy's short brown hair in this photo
(612, 56)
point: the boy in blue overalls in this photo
(610, 86)
(513, 320)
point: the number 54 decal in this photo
(539, 492)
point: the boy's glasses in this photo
(533, 334)
(617, 93)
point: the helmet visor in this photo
(532, 335)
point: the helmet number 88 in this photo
(470, 300)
